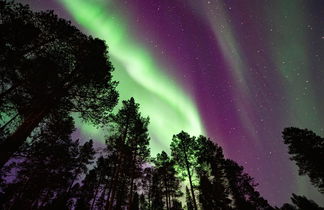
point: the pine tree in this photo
(136, 202)
(147, 187)
(167, 175)
(210, 169)
(45, 167)
(303, 203)
(156, 192)
(307, 149)
(241, 187)
(130, 143)
(86, 191)
(55, 67)
(183, 152)
(94, 186)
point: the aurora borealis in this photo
(236, 71)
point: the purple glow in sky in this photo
(251, 67)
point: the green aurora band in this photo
(140, 77)
(291, 58)
(293, 51)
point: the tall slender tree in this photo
(183, 152)
(130, 142)
(156, 192)
(169, 181)
(147, 187)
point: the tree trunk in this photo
(111, 182)
(110, 201)
(130, 199)
(190, 181)
(166, 199)
(40, 109)
(166, 194)
(14, 141)
(191, 189)
(71, 185)
(7, 123)
(149, 197)
(96, 192)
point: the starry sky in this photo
(237, 71)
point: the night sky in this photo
(237, 71)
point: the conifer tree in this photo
(156, 192)
(167, 175)
(44, 169)
(130, 142)
(307, 149)
(210, 169)
(303, 203)
(183, 153)
(55, 67)
(241, 187)
(147, 187)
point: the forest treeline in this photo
(51, 71)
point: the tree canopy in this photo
(53, 71)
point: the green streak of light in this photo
(169, 108)
(290, 55)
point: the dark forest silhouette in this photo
(49, 70)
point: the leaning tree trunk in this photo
(41, 107)
(9, 122)
(14, 141)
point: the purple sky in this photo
(252, 67)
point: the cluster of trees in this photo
(49, 70)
